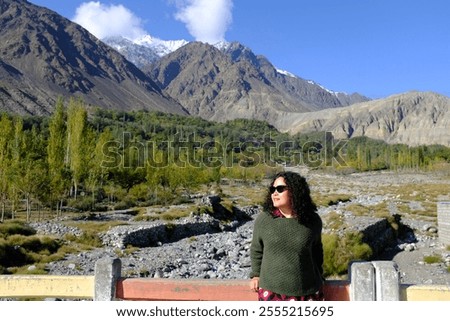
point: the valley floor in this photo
(413, 196)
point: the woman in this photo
(286, 250)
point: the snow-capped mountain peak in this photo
(147, 49)
(222, 45)
(161, 47)
(286, 73)
(144, 50)
(336, 93)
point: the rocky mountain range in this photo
(145, 50)
(238, 79)
(233, 82)
(413, 118)
(44, 56)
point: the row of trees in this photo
(38, 163)
(124, 158)
(51, 161)
(366, 154)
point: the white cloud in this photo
(108, 20)
(206, 20)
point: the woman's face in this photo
(281, 200)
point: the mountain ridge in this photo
(413, 118)
(45, 56)
(224, 84)
(144, 54)
(372, 118)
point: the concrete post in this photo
(387, 281)
(107, 272)
(362, 281)
(443, 212)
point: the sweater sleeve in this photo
(256, 250)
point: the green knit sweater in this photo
(286, 255)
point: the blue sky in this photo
(374, 47)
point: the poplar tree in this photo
(76, 142)
(6, 131)
(56, 154)
(360, 157)
(17, 151)
(97, 174)
(32, 174)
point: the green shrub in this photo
(339, 251)
(15, 227)
(125, 204)
(92, 230)
(334, 221)
(12, 255)
(140, 192)
(430, 259)
(38, 269)
(82, 204)
(21, 247)
(18, 250)
(330, 199)
(89, 239)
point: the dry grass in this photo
(415, 194)
(94, 226)
(328, 199)
(334, 221)
(245, 194)
(431, 259)
(379, 210)
(422, 192)
(427, 209)
(166, 213)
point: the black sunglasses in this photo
(279, 189)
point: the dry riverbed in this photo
(343, 198)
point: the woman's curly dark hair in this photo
(302, 203)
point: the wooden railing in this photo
(108, 284)
(205, 290)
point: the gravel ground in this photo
(199, 258)
(410, 259)
(226, 254)
(422, 241)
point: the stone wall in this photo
(443, 211)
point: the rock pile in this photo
(220, 254)
(207, 246)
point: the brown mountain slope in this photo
(413, 118)
(44, 56)
(235, 83)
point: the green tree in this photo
(76, 142)
(98, 173)
(56, 147)
(33, 172)
(6, 133)
(17, 151)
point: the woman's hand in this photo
(254, 283)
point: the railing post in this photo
(387, 281)
(107, 272)
(443, 213)
(362, 281)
